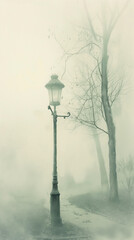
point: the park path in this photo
(94, 225)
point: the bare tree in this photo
(105, 97)
(126, 174)
(103, 172)
(101, 89)
(87, 110)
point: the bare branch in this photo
(101, 129)
(91, 124)
(115, 92)
(96, 67)
(102, 112)
(90, 21)
(76, 53)
(114, 22)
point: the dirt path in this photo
(97, 226)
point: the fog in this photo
(32, 34)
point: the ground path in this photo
(97, 226)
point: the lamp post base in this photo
(55, 208)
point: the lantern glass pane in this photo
(54, 96)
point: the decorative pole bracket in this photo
(63, 116)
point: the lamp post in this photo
(54, 87)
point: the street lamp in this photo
(54, 87)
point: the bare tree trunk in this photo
(109, 122)
(103, 173)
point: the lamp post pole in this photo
(54, 87)
(55, 195)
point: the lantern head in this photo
(54, 87)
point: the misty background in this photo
(30, 33)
